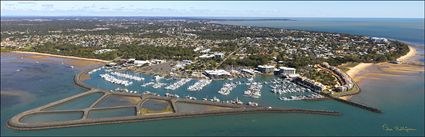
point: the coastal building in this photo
(378, 40)
(346, 81)
(101, 51)
(287, 71)
(111, 64)
(303, 81)
(217, 73)
(141, 62)
(249, 71)
(265, 68)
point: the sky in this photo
(347, 9)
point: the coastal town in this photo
(204, 49)
(212, 68)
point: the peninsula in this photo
(198, 48)
(314, 65)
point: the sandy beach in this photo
(358, 68)
(78, 62)
(60, 56)
(378, 70)
(354, 71)
(410, 54)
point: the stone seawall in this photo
(22, 126)
(78, 78)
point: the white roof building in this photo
(266, 66)
(217, 73)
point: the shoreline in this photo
(409, 55)
(357, 72)
(354, 71)
(61, 56)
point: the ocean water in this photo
(410, 30)
(400, 98)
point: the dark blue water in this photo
(411, 30)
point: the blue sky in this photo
(352, 9)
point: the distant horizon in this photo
(269, 9)
(229, 17)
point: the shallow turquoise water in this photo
(400, 98)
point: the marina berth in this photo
(199, 85)
(158, 85)
(254, 90)
(178, 84)
(148, 84)
(301, 97)
(128, 76)
(285, 86)
(227, 88)
(115, 80)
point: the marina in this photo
(282, 89)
